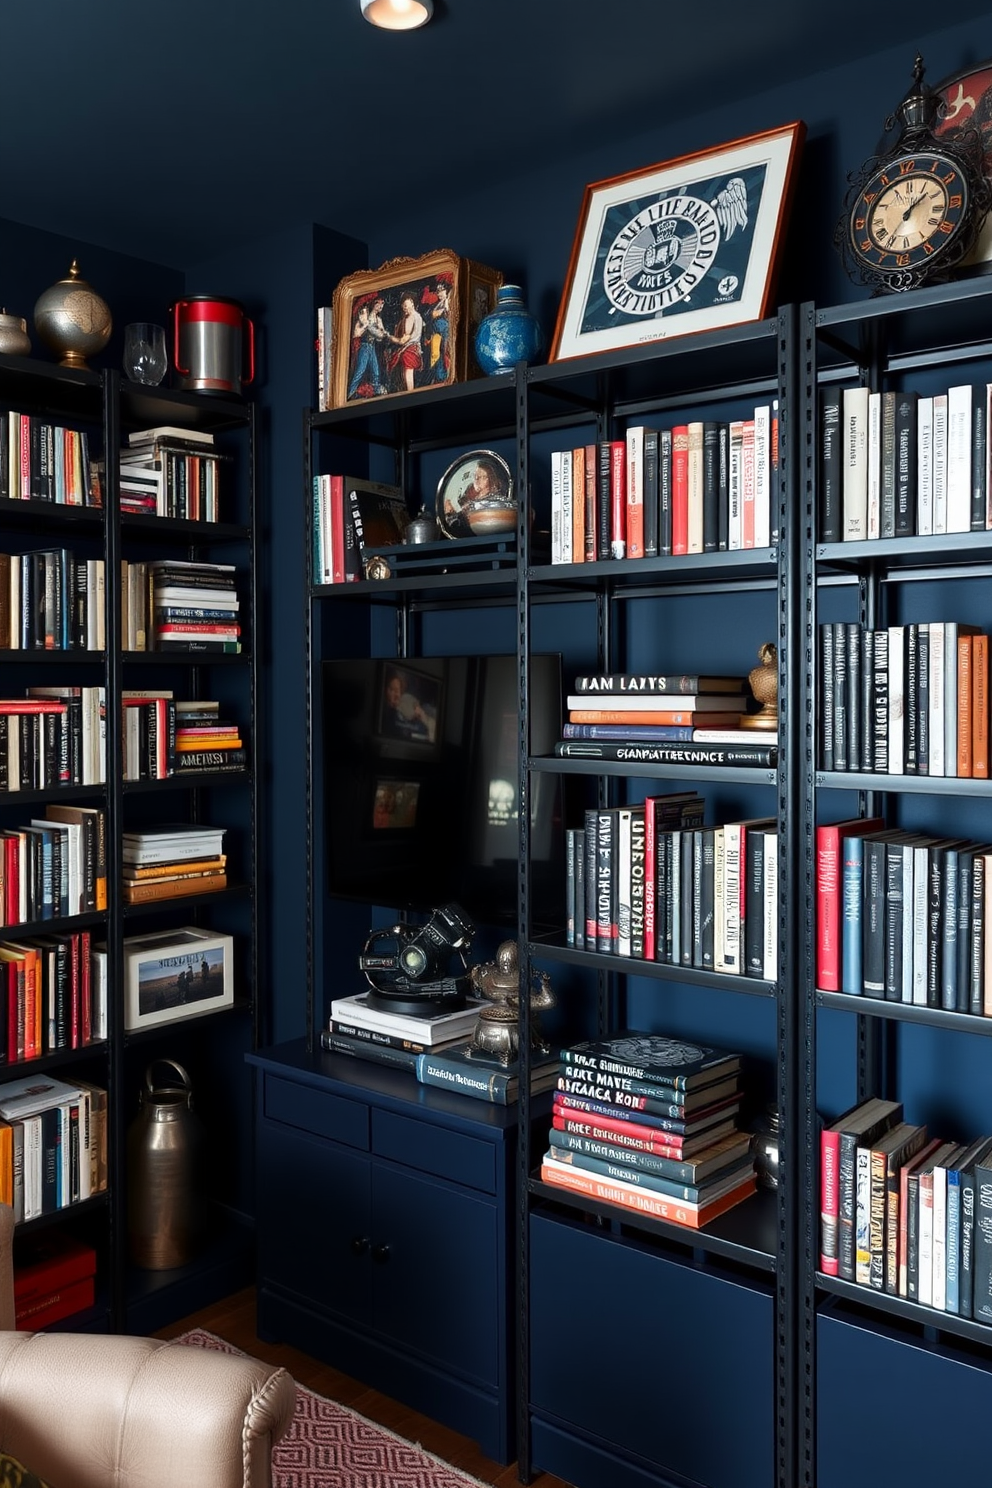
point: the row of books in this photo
(905, 699)
(906, 1213)
(703, 486)
(434, 1047)
(51, 599)
(42, 461)
(170, 472)
(653, 883)
(55, 866)
(903, 916)
(191, 607)
(53, 1144)
(171, 861)
(901, 463)
(48, 741)
(53, 995)
(648, 1122)
(351, 514)
(164, 736)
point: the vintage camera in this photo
(416, 968)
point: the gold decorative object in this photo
(496, 1035)
(14, 338)
(763, 681)
(72, 319)
(377, 567)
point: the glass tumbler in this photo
(145, 357)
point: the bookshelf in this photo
(107, 409)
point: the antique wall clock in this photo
(914, 211)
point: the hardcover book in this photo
(652, 1057)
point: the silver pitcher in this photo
(165, 1144)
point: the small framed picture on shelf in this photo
(408, 326)
(394, 808)
(409, 705)
(176, 974)
(691, 244)
(475, 496)
(967, 104)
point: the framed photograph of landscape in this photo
(966, 99)
(176, 974)
(692, 244)
(408, 326)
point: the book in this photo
(692, 1193)
(358, 1034)
(178, 887)
(378, 513)
(427, 1029)
(655, 1058)
(602, 1088)
(632, 699)
(714, 1158)
(199, 437)
(356, 1048)
(482, 1079)
(680, 1123)
(862, 1126)
(829, 883)
(755, 756)
(642, 683)
(656, 1206)
(630, 1136)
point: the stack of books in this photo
(205, 739)
(650, 1123)
(194, 606)
(171, 861)
(170, 472)
(53, 1144)
(55, 1276)
(663, 719)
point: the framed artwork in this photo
(408, 326)
(692, 244)
(176, 974)
(475, 496)
(967, 103)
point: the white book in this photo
(640, 702)
(98, 992)
(938, 1249)
(430, 1029)
(675, 896)
(169, 431)
(950, 697)
(557, 456)
(695, 529)
(987, 474)
(770, 908)
(762, 476)
(862, 1216)
(874, 458)
(924, 467)
(959, 458)
(33, 1158)
(897, 699)
(623, 880)
(908, 926)
(720, 902)
(935, 718)
(920, 901)
(939, 463)
(855, 464)
(732, 835)
(635, 489)
(566, 507)
(734, 736)
(17, 1167)
(735, 482)
(326, 543)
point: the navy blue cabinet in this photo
(383, 1234)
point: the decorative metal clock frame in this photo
(914, 211)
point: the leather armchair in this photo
(87, 1411)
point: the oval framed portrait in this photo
(475, 496)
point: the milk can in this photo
(164, 1162)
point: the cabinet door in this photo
(313, 1220)
(440, 1287)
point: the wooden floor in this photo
(234, 1320)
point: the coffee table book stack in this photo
(650, 1123)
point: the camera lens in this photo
(413, 961)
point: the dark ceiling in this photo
(175, 130)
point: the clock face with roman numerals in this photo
(907, 218)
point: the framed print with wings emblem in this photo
(691, 244)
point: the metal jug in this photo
(165, 1162)
(213, 345)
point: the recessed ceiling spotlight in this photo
(397, 15)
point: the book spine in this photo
(489, 1085)
(829, 1198)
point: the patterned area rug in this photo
(330, 1446)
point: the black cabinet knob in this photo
(360, 1244)
(380, 1254)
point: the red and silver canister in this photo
(213, 345)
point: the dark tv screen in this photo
(421, 785)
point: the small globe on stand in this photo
(763, 681)
(72, 319)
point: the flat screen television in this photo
(421, 786)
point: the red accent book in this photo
(635, 491)
(54, 1265)
(747, 484)
(688, 717)
(643, 1201)
(337, 529)
(980, 706)
(74, 1297)
(618, 498)
(680, 488)
(829, 892)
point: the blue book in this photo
(852, 876)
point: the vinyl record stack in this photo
(651, 1123)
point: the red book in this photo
(828, 895)
(337, 529)
(75, 1296)
(680, 488)
(980, 707)
(52, 1261)
(618, 498)
(644, 1201)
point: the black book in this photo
(754, 904)
(606, 881)
(911, 701)
(982, 1273)
(591, 818)
(978, 1152)
(831, 465)
(976, 937)
(665, 492)
(865, 1125)
(852, 636)
(688, 895)
(723, 480)
(603, 501)
(827, 696)
(979, 444)
(840, 665)
(923, 701)
(711, 486)
(906, 456)
(570, 886)
(880, 701)
(866, 747)
(757, 756)
(580, 889)
(706, 900)
(877, 899)
(650, 480)
(637, 882)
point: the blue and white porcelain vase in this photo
(507, 335)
